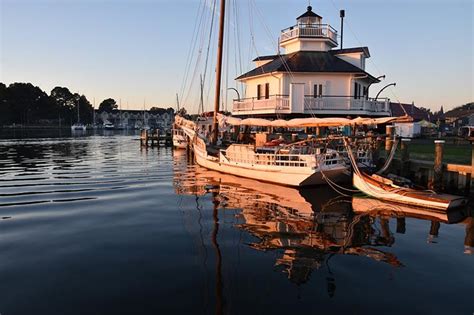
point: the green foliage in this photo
(108, 105)
(23, 103)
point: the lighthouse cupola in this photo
(309, 17)
(309, 34)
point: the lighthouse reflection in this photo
(308, 227)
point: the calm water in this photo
(94, 225)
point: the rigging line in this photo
(284, 59)
(238, 42)
(197, 65)
(360, 43)
(209, 40)
(200, 35)
(192, 45)
(272, 41)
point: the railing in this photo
(273, 102)
(309, 31)
(281, 103)
(345, 103)
(246, 156)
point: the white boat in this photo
(291, 165)
(179, 139)
(108, 125)
(78, 126)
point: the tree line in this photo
(26, 104)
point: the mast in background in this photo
(201, 100)
(177, 103)
(217, 97)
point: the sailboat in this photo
(179, 138)
(296, 165)
(304, 162)
(78, 126)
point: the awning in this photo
(310, 122)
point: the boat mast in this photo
(201, 102)
(93, 113)
(218, 72)
(177, 103)
(78, 101)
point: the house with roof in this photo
(310, 77)
(402, 109)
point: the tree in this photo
(64, 102)
(4, 113)
(108, 105)
(25, 103)
(86, 110)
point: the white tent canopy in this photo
(308, 122)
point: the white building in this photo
(162, 119)
(311, 77)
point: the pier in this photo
(153, 138)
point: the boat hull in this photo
(287, 176)
(443, 202)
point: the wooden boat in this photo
(371, 206)
(383, 188)
(279, 167)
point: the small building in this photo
(402, 109)
(408, 130)
(311, 77)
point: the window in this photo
(267, 90)
(318, 90)
(356, 90)
(259, 91)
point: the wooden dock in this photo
(153, 138)
(435, 174)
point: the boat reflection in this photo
(309, 226)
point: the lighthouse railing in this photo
(312, 30)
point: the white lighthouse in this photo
(310, 76)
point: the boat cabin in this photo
(310, 77)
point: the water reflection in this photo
(311, 226)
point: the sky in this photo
(137, 51)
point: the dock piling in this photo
(405, 165)
(390, 131)
(436, 183)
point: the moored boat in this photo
(78, 127)
(179, 139)
(384, 188)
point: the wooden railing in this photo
(309, 31)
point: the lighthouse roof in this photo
(306, 61)
(309, 13)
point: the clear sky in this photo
(136, 50)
